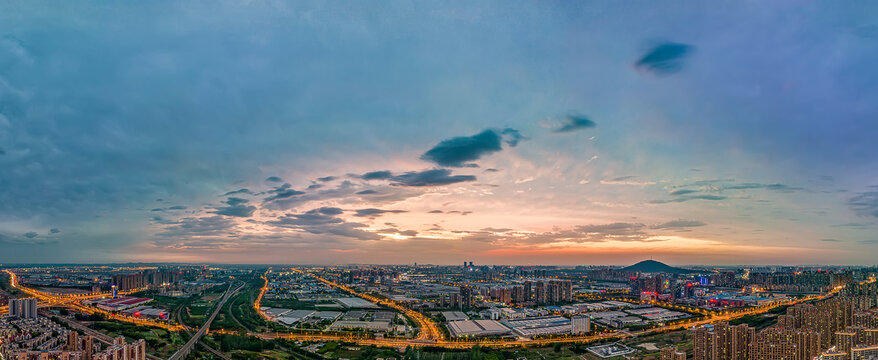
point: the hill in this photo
(652, 266)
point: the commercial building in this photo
(476, 328)
(580, 325)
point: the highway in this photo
(187, 348)
(430, 334)
(429, 330)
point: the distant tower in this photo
(113, 291)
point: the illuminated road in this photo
(433, 337)
(429, 329)
(186, 349)
(74, 302)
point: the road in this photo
(187, 348)
(429, 330)
(431, 336)
(97, 335)
(189, 333)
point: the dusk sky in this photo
(439, 132)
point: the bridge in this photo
(187, 348)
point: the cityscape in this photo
(454, 180)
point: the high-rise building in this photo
(540, 295)
(785, 344)
(518, 294)
(580, 325)
(24, 308)
(671, 353)
(466, 297)
(723, 342)
(869, 352)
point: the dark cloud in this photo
(199, 226)
(497, 230)
(865, 203)
(613, 229)
(397, 231)
(237, 207)
(459, 151)
(665, 59)
(679, 224)
(330, 210)
(366, 192)
(830, 240)
(177, 207)
(326, 178)
(314, 186)
(571, 123)
(683, 192)
(274, 179)
(372, 212)
(309, 218)
(435, 211)
(54, 231)
(239, 191)
(376, 175)
(688, 198)
(317, 222)
(490, 170)
(434, 177)
(776, 187)
(30, 235)
(282, 192)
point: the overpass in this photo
(187, 348)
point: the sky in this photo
(399, 132)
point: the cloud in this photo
(776, 187)
(239, 191)
(397, 231)
(283, 192)
(434, 177)
(459, 151)
(316, 221)
(688, 198)
(237, 207)
(366, 192)
(830, 240)
(376, 175)
(679, 224)
(664, 59)
(326, 178)
(435, 212)
(330, 210)
(864, 203)
(683, 192)
(618, 228)
(627, 180)
(309, 218)
(177, 207)
(372, 212)
(199, 226)
(30, 235)
(54, 231)
(572, 123)
(274, 179)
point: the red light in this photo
(632, 278)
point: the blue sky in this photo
(399, 132)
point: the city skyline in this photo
(399, 133)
